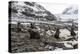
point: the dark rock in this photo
(75, 46)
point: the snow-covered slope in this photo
(29, 11)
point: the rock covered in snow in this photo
(64, 34)
(50, 33)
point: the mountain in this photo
(69, 14)
(70, 10)
(29, 11)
